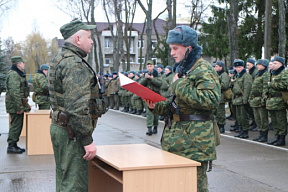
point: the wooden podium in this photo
(38, 140)
(140, 168)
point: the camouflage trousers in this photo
(16, 125)
(242, 117)
(233, 109)
(151, 118)
(261, 118)
(114, 101)
(44, 106)
(202, 180)
(220, 114)
(279, 121)
(71, 168)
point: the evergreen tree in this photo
(4, 67)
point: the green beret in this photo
(71, 28)
(17, 59)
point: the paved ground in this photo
(242, 165)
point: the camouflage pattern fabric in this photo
(242, 88)
(40, 84)
(166, 82)
(197, 93)
(17, 89)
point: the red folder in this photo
(139, 89)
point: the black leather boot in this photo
(281, 141)
(149, 132)
(139, 112)
(273, 141)
(239, 134)
(221, 128)
(264, 136)
(234, 128)
(244, 135)
(14, 149)
(133, 111)
(154, 130)
(258, 137)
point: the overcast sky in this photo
(43, 16)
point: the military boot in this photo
(244, 135)
(133, 111)
(139, 112)
(234, 127)
(253, 126)
(221, 128)
(263, 137)
(154, 130)
(281, 141)
(259, 136)
(273, 141)
(149, 132)
(14, 149)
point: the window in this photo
(131, 46)
(139, 60)
(107, 61)
(154, 43)
(131, 60)
(107, 42)
(139, 43)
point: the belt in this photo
(197, 117)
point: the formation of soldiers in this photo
(258, 90)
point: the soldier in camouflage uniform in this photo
(241, 89)
(136, 100)
(257, 99)
(250, 65)
(113, 92)
(153, 82)
(77, 104)
(41, 88)
(166, 82)
(275, 103)
(197, 94)
(16, 101)
(225, 81)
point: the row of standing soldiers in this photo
(258, 91)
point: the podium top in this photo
(140, 156)
(38, 112)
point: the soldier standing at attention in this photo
(197, 93)
(77, 104)
(152, 81)
(16, 102)
(250, 65)
(257, 99)
(41, 88)
(275, 103)
(241, 89)
(225, 82)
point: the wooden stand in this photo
(38, 140)
(140, 168)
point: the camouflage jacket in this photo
(198, 93)
(76, 81)
(16, 90)
(241, 88)
(259, 89)
(166, 82)
(154, 84)
(253, 72)
(225, 82)
(114, 86)
(40, 85)
(277, 83)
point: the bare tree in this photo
(267, 35)
(148, 13)
(5, 5)
(282, 26)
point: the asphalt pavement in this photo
(242, 165)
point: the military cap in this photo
(137, 74)
(263, 62)
(17, 59)
(160, 66)
(169, 67)
(220, 63)
(105, 75)
(231, 71)
(150, 62)
(72, 27)
(251, 60)
(111, 76)
(238, 62)
(44, 67)
(183, 35)
(114, 73)
(213, 64)
(279, 59)
(131, 72)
